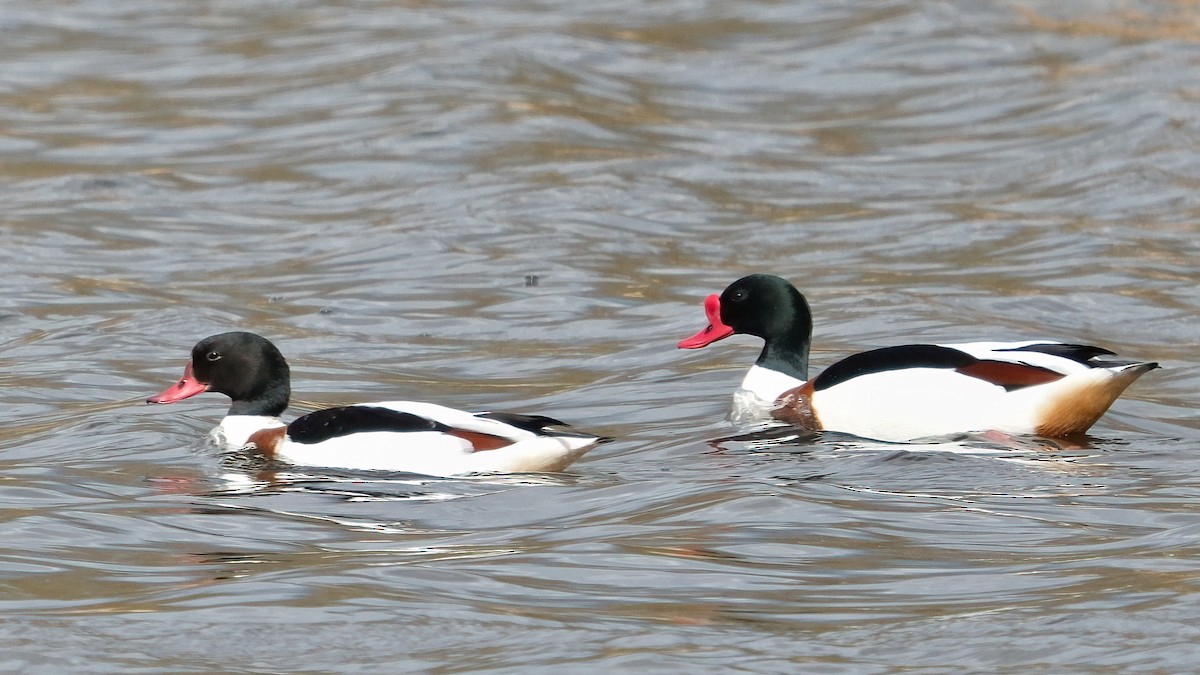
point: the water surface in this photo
(374, 187)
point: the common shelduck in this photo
(915, 391)
(390, 436)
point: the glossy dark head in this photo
(245, 367)
(765, 306)
(762, 305)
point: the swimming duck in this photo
(914, 391)
(406, 436)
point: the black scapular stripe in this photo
(323, 425)
(1078, 353)
(891, 358)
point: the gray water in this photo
(373, 186)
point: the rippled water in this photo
(373, 185)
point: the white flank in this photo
(425, 452)
(902, 405)
(434, 454)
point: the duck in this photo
(399, 436)
(908, 392)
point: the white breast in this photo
(234, 430)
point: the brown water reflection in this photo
(370, 184)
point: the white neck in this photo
(768, 384)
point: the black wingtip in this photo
(534, 423)
(1085, 354)
(1141, 366)
(542, 425)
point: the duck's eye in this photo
(739, 295)
(213, 356)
